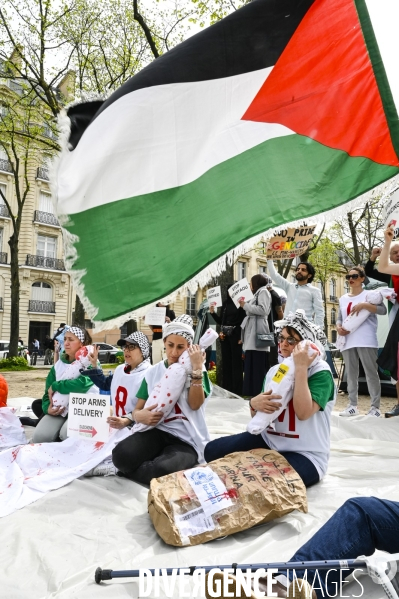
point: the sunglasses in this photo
(289, 340)
(347, 277)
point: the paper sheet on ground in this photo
(59, 541)
(27, 472)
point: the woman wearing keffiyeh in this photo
(64, 378)
(301, 432)
(178, 441)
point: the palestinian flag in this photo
(281, 111)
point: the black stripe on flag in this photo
(250, 39)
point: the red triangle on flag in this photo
(323, 86)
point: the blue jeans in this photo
(245, 442)
(359, 527)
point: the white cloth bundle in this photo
(281, 384)
(11, 430)
(353, 321)
(166, 393)
(72, 372)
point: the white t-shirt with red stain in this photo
(310, 437)
(366, 334)
(124, 388)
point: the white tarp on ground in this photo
(52, 547)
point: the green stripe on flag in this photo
(152, 244)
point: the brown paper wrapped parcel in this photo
(261, 484)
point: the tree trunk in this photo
(79, 312)
(15, 287)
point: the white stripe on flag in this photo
(161, 137)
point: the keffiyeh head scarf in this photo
(77, 331)
(138, 338)
(306, 329)
(182, 325)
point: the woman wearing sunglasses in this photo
(361, 344)
(302, 432)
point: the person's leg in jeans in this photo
(351, 359)
(218, 448)
(368, 357)
(305, 468)
(359, 527)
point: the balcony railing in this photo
(333, 298)
(4, 211)
(44, 262)
(3, 258)
(41, 306)
(42, 173)
(46, 217)
(5, 165)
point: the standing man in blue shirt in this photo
(301, 294)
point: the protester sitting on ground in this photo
(126, 380)
(178, 443)
(388, 359)
(53, 426)
(302, 432)
(361, 344)
(301, 294)
(256, 362)
(230, 320)
(3, 392)
(157, 342)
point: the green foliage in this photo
(120, 359)
(17, 363)
(212, 375)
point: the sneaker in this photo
(102, 469)
(393, 412)
(374, 412)
(350, 411)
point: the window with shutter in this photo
(46, 204)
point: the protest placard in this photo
(88, 415)
(391, 213)
(290, 243)
(240, 291)
(214, 297)
(155, 316)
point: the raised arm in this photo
(384, 264)
(281, 282)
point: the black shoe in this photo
(393, 412)
(25, 420)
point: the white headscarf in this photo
(182, 325)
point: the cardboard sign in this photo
(240, 291)
(88, 415)
(156, 316)
(391, 213)
(214, 297)
(290, 243)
